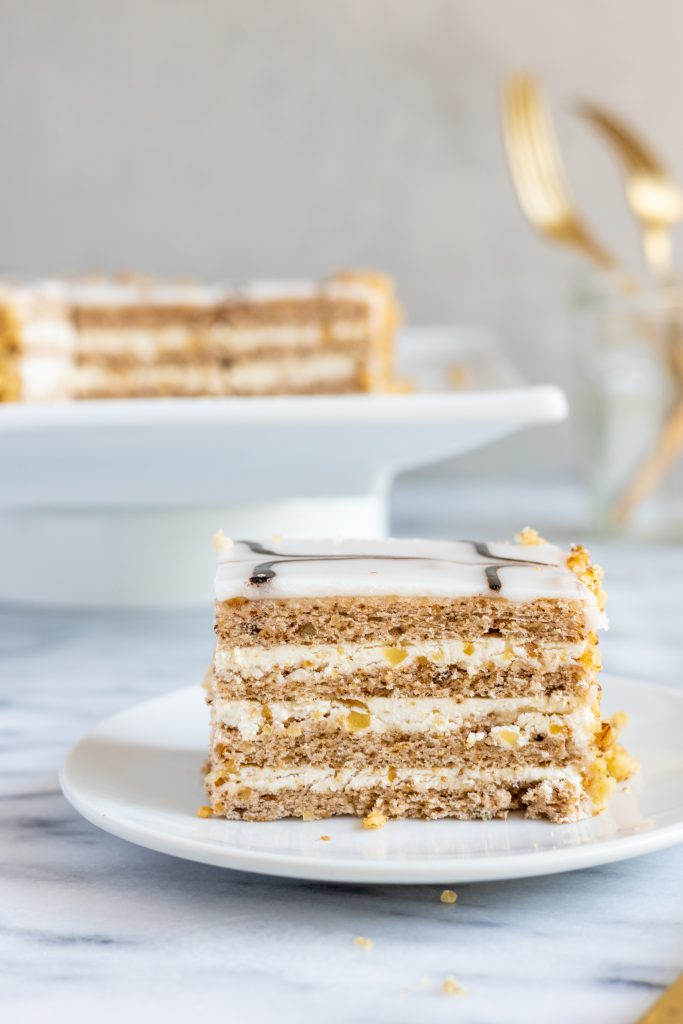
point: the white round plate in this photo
(138, 776)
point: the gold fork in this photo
(653, 196)
(538, 173)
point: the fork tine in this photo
(517, 151)
(536, 182)
(631, 149)
(543, 146)
(538, 172)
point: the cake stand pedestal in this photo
(156, 557)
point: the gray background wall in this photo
(288, 137)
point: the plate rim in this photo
(529, 404)
(497, 867)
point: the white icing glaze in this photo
(109, 292)
(427, 568)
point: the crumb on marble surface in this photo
(452, 987)
(366, 944)
(204, 811)
(448, 896)
(326, 839)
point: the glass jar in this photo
(627, 407)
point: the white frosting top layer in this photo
(429, 568)
(109, 292)
(112, 292)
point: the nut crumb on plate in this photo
(364, 943)
(448, 896)
(204, 811)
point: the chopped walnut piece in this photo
(325, 839)
(606, 736)
(364, 943)
(579, 561)
(375, 820)
(394, 655)
(591, 659)
(356, 721)
(452, 987)
(620, 764)
(619, 720)
(221, 542)
(598, 784)
(204, 811)
(529, 537)
(506, 737)
(448, 896)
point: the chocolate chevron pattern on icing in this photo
(264, 572)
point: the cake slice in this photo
(413, 678)
(138, 339)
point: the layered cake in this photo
(139, 338)
(408, 678)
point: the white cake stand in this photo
(114, 503)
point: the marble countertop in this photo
(94, 928)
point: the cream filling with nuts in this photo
(144, 342)
(518, 720)
(322, 780)
(332, 659)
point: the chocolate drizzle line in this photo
(264, 571)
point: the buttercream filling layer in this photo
(144, 343)
(333, 659)
(516, 721)
(324, 780)
(259, 375)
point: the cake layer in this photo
(264, 794)
(488, 667)
(391, 620)
(400, 732)
(422, 679)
